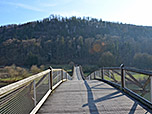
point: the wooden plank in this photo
(117, 72)
(135, 80)
(144, 87)
(78, 96)
(91, 96)
(38, 106)
(140, 71)
(113, 77)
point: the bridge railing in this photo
(27, 96)
(136, 82)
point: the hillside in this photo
(61, 40)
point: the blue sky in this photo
(126, 11)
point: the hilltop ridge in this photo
(61, 40)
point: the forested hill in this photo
(61, 40)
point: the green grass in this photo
(11, 79)
(6, 81)
(118, 78)
(86, 74)
(3, 84)
(140, 76)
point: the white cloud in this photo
(25, 6)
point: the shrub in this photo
(34, 69)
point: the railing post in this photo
(66, 75)
(34, 89)
(122, 76)
(61, 74)
(94, 74)
(81, 72)
(90, 77)
(51, 78)
(151, 88)
(109, 74)
(102, 73)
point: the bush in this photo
(42, 67)
(34, 69)
(16, 72)
(107, 60)
(143, 60)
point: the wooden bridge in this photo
(95, 95)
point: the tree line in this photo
(62, 40)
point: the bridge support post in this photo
(51, 78)
(151, 88)
(122, 76)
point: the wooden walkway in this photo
(90, 97)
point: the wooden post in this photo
(72, 69)
(151, 88)
(122, 76)
(102, 73)
(62, 75)
(81, 71)
(51, 78)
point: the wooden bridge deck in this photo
(94, 97)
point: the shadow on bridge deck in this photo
(94, 97)
(127, 104)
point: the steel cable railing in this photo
(27, 95)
